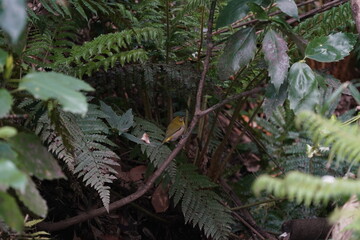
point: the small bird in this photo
(175, 129)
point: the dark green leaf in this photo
(10, 176)
(331, 48)
(3, 56)
(120, 123)
(234, 10)
(6, 101)
(34, 158)
(65, 89)
(258, 11)
(238, 52)
(289, 7)
(10, 212)
(274, 98)
(13, 17)
(275, 48)
(33, 200)
(303, 92)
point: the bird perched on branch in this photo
(175, 129)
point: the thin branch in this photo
(248, 225)
(149, 183)
(231, 98)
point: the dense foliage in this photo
(89, 86)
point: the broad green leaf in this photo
(10, 212)
(10, 176)
(6, 101)
(234, 10)
(6, 152)
(274, 98)
(275, 48)
(303, 92)
(65, 89)
(331, 48)
(258, 11)
(34, 158)
(3, 56)
(238, 52)
(309, 101)
(7, 132)
(33, 200)
(120, 123)
(13, 17)
(289, 7)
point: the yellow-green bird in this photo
(175, 129)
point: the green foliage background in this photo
(83, 81)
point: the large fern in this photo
(83, 144)
(199, 203)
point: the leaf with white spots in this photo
(331, 48)
(63, 88)
(275, 48)
(303, 87)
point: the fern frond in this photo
(343, 140)
(200, 205)
(107, 49)
(156, 152)
(308, 189)
(82, 144)
(336, 19)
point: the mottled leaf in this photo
(33, 200)
(13, 17)
(65, 89)
(34, 158)
(6, 101)
(289, 7)
(275, 48)
(303, 92)
(238, 52)
(10, 212)
(331, 48)
(11, 176)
